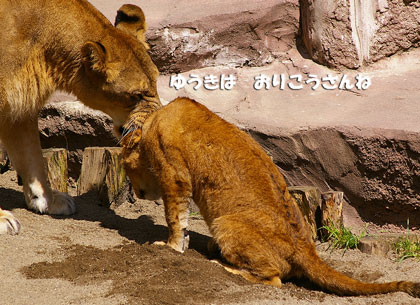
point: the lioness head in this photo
(119, 72)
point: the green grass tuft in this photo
(406, 247)
(342, 238)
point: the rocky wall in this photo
(354, 33)
(378, 170)
(246, 38)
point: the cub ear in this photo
(130, 19)
(94, 57)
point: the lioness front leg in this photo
(22, 143)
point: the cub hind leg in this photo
(251, 253)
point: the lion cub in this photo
(184, 151)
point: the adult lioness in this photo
(184, 151)
(67, 45)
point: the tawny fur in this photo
(67, 45)
(184, 151)
(8, 223)
(130, 18)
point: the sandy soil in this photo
(104, 256)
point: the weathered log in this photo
(308, 199)
(331, 210)
(4, 161)
(56, 166)
(103, 172)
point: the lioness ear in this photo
(130, 18)
(94, 56)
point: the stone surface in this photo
(353, 33)
(377, 245)
(377, 172)
(383, 244)
(246, 38)
(340, 34)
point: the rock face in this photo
(378, 170)
(246, 38)
(353, 33)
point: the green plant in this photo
(342, 237)
(406, 247)
(195, 215)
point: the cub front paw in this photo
(180, 244)
(8, 223)
(173, 246)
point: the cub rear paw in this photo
(8, 223)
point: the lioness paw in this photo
(62, 204)
(8, 223)
(57, 204)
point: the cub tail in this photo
(326, 277)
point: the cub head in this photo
(118, 72)
(137, 167)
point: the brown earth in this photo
(104, 256)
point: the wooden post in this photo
(332, 210)
(56, 166)
(103, 172)
(308, 199)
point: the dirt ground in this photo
(105, 256)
